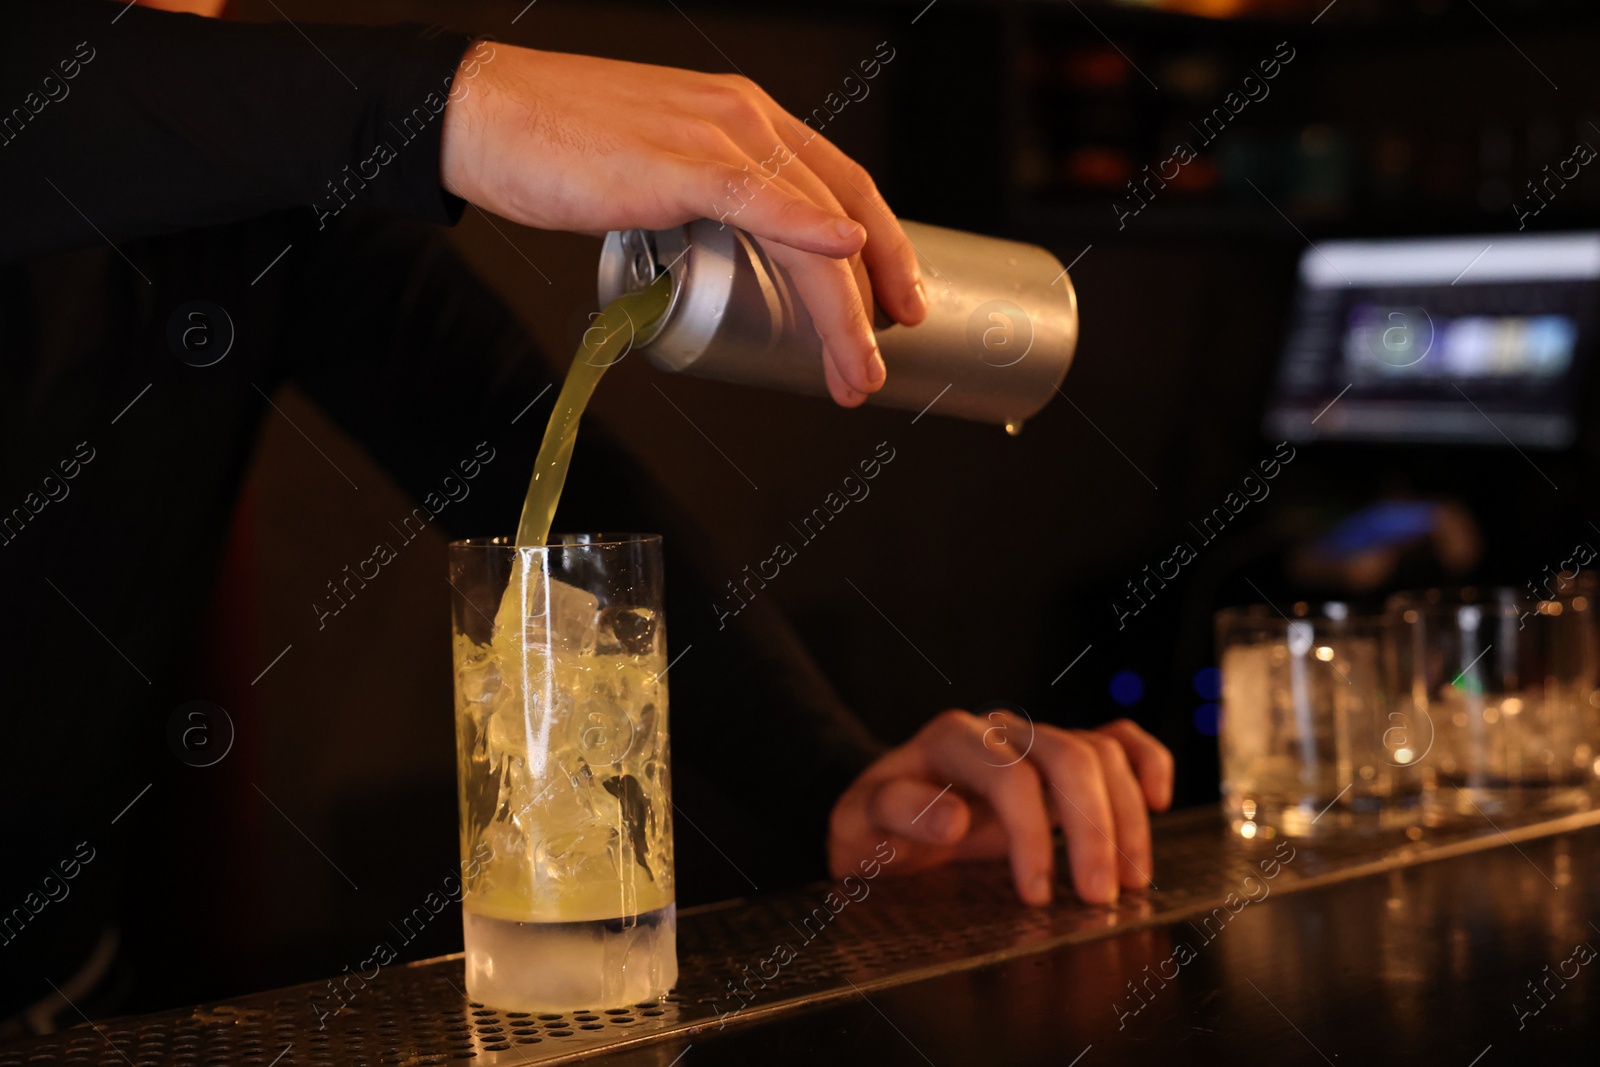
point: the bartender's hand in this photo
(1010, 781)
(567, 142)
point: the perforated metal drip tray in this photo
(842, 940)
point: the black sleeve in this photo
(422, 363)
(123, 122)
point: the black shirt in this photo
(161, 159)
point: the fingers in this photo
(956, 751)
(765, 208)
(1135, 858)
(808, 240)
(854, 366)
(782, 165)
(1077, 788)
(1150, 759)
(890, 805)
(890, 258)
(1088, 780)
(785, 145)
(971, 787)
(1131, 818)
(852, 361)
(778, 196)
(919, 811)
(887, 268)
(843, 394)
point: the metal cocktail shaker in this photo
(1000, 333)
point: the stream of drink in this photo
(604, 343)
(561, 716)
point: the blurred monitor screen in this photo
(1475, 340)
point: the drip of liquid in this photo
(604, 343)
(1014, 427)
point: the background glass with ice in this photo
(1510, 685)
(1311, 738)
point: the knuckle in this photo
(796, 209)
(746, 111)
(713, 187)
(702, 133)
(1023, 717)
(859, 323)
(719, 174)
(734, 94)
(1022, 779)
(858, 176)
(900, 245)
(1108, 750)
(1078, 754)
(723, 90)
(951, 721)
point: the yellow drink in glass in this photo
(561, 738)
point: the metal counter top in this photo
(948, 968)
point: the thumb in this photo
(918, 811)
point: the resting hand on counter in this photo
(569, 142)
(1005, 781)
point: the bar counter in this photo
(1466, 946)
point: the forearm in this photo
(119, 122)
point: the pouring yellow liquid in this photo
(570, 898)
(604, 343)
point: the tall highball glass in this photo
(564, 772)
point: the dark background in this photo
(998, 557)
